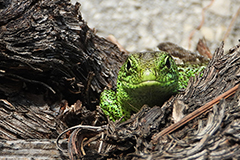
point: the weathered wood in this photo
(212, 135)
(49, 56)
(31, 149)
(52, 70)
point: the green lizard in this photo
(145, 78)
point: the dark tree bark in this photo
(49, 54)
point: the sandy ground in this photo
(140, 25)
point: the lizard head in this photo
(152, 76)
(149, 68)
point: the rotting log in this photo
(53, 68)
(50, 58)
(31, 148)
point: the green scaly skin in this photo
(186, 71)
(145, 78)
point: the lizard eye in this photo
(168, 63)
(129, 65)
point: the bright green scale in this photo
(145, 78)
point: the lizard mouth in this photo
(155, 83)
(150, 82)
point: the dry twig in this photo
(194, 114)
(231, 24)
(201, 24)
